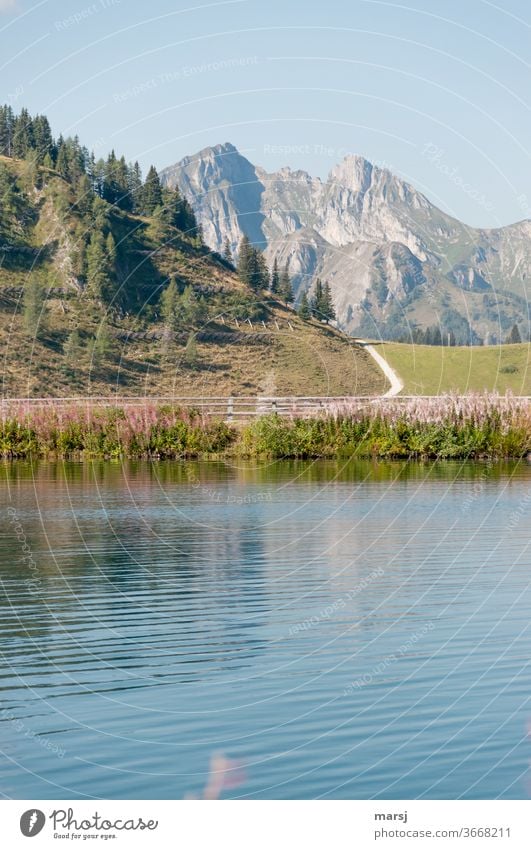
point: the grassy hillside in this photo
(76, 340)
(432, 370)
(305, 360)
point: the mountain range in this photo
(394, 261)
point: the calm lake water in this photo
(335, 631)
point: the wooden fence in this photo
(228, 408)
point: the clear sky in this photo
(437, 90)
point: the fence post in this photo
(230, 409)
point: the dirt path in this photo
(391, 375)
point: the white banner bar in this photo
(267, 824)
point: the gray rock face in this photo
(392, 258)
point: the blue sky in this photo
(436, 91)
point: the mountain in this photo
(394, 261)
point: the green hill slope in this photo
(433, 370)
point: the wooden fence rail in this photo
(229, 408)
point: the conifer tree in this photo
(285, 289)
(328, 312)
(100, 265)
(151, 192)
(275, 278)
(103, 345)
(191, 308)
(72, 349)
(257, 271)
(169, 303)
(42, 137)
(514, 337)
(244, 260)
(22, 134)
(110, 248)
(84, 196)
(304, 308)
(316, 303)
(227, 252)
(437, 336)
(7, 120)
(135, 187)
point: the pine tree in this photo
(437, 335)
(328, 309)
(62, 166)
(244, 259)
(169, 305)
(285, 289)
(42, 137)
(275, 278)
(135, 187)
(227, 252)
(103, 345)
(304, 308)
(263, 271)
(514, 337)
(7, 120)
(151, 192)
(29, 172)
(11, 206)
(99, 267)
(72, 350)
(191, 308)
(84, 196)
(110, 248)
(317, 299)
(257, 271)
(22, 135)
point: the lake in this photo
(330, 629)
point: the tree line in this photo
(112, 179)
(254, 272)
(435, 335)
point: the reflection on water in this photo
(345, 630)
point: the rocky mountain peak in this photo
(353, 172)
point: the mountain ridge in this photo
(393, 259)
